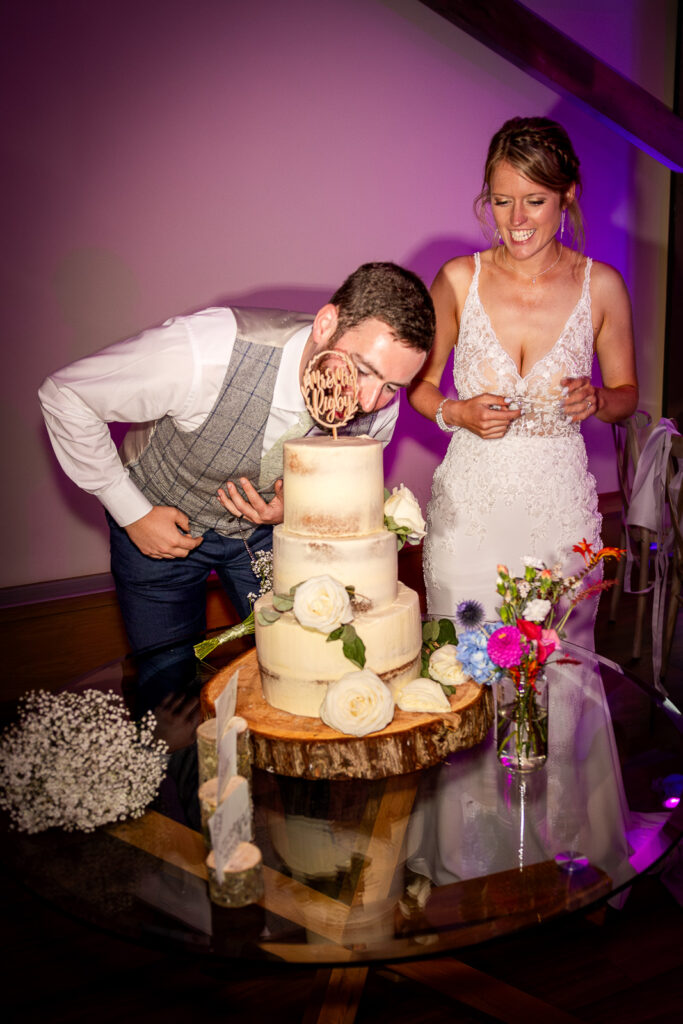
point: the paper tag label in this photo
(227, 759)
(230, 825)
(226, 704)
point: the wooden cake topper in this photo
(330, 388)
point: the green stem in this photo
(206, 647)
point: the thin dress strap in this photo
(587, 278)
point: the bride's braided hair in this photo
(541, 150)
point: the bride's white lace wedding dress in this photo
(527, 494)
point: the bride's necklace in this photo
(530, 277)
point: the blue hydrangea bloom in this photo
(473, 655)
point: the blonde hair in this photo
(541, 150)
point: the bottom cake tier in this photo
(298, 664)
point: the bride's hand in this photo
(581, 398)
(486, 415)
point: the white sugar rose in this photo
(422, 695)
(322, 603)
(402, 506)
(445, 667)
(357, 704)
(536, 610)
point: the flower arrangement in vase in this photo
(514, 653)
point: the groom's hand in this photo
(251, 506)
(163, 533)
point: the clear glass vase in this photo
(522, 721)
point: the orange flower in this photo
(611, 553)
(585, 549)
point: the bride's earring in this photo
(562, 219)
(497, 238)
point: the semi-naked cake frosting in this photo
(334, 525)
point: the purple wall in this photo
(163, 157)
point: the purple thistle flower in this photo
(469, 614)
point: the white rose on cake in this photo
(357, 704)
(422, 695)
(322, 603)
(445, 667)
(403, 508)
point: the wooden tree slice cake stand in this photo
(304, 747)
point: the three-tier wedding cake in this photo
(333, 529)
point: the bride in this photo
(525, 318)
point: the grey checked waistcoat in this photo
(184, 469)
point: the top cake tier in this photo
(333, 487)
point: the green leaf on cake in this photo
(447, 633)
(430, 630)
(266, 618)
(352, 645)
(435, 633)
(283, 602)
(400, 531)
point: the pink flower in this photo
(546, 640)
(505, 647)
(531, 630)
(548, 643)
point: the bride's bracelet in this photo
(450, 428)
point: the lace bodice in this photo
(482, 365)
(528, 493)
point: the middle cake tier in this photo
(368, 564)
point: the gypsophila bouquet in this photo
(76, 761)
(262, 567)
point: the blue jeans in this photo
(163, 601)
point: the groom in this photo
(213, 396)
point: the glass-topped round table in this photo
(350, 873)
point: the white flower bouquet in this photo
(76, 761)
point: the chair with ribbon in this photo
(628, 443)
(649, 509)
(674, 500)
